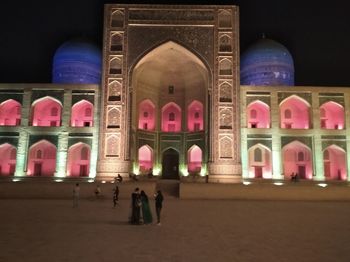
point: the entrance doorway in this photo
(258, 171)
(302, 172)
(170, 164)
(37, 169)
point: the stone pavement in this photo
(192, 230)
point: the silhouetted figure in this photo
(159, 204)
(97, 192)
(119, 178)
(135, 207)
(115, 196)
(146, 211)
(76, 193)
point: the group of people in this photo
(140, 208)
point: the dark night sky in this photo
(316, 34)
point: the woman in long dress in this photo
(146, 211)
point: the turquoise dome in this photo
(77, 62)
(267, 63)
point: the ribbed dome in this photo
(77, 62)
(267, 63)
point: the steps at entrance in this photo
(169, 187)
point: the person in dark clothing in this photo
(135, 207)
(159, 204)
(115, 196)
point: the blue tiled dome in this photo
(77, 62)
(267, 63)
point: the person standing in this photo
(135, 207)
(76, 192)
(146, 211)
(115, 196)
(159, 204)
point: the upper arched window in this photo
(172, 116)
(39, 154)
(117, 19)
(257, 155)
(301, 156)
(84, 154)
(253, 113)
(287, 114)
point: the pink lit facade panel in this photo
(171, 118)
(42, 159)
(147, 115)
(46, 112)
(82, 114)
(194, 159)
(7, 159)
(78, 162)
(10, 113)
(145, 157)
(294, 114)
(332, 116)
(258, 115)
(195, 117)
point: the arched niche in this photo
(194, 159)
(145, 157)
(78, 161)
(8, 159)
(82, 114)
(332, 115)
(297, 159)
(258, 115)
(334, 163)
(147, 115)
(195, 116)
(46, 111)
(42, 159)
(259, 162)
(10, 113)
(294, 113)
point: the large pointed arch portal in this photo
(169, 75)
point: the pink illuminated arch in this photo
(145, 158)
(7, 160)
(334, 163)
(46, 111)
(195, 116)
(42, 159)
(78, 162)
(171, 118)
(194, 156)
(259, 162)
(82, 114)
(332, 115)
(258, 115)
(146, 115)
(294, 113)
(10, 113)
(297, 159)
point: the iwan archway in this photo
(175, 82)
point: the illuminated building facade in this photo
(165, 97)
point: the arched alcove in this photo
(171, 118)
(82, 114)
(145, 156)
(42, 159)
(332, 115)
(294, 113)
(147, 115)
(259, 165)
(78, 161)
(258, 115)
(7, 160)
(334, 163)
(194, 160)
(297, 159)
(195, 116)
(10, 113)
(46, 111)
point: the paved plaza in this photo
(192, 230)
